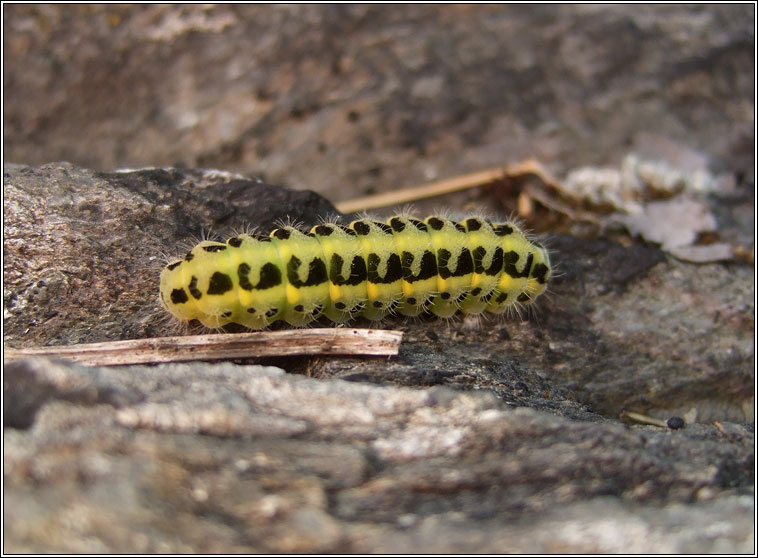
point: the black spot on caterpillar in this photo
(367, 269)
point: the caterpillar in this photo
(366, 269)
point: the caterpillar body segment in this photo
(368, 269)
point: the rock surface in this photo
(478, 437)
(499, 436)
(229, 458)
(350, 98)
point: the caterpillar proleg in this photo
(366, 269)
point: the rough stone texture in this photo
(482, 435)
(500, 436)
(345, 99)
(228, 458)
(83, 249)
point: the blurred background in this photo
(349, 100)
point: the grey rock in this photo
(481, 436)
(346, 99)
(222, 457)
(484, 423)
(602, 525)
(83, 249)
(481, 423)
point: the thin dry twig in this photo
(448, 186)
(644, 419)
(720, 428)
(322, 341)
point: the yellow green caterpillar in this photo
(366, 269)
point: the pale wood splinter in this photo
(320, 341)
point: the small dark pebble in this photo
(521, 388)
(675, 423)
(432, 335)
